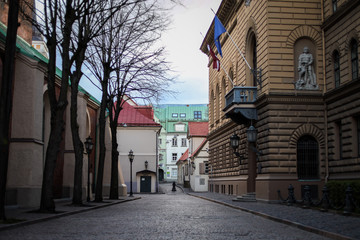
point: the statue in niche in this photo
(307, 77)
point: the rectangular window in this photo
(174, 142)
(197, 114)
(174, 115)
(160, 141)
(182, 115)
(183, 142)
(161, 157)
(354, 59)
(334, 5)
(174, 156)
(173, 172)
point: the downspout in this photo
(324, 91)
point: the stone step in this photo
(248, 197)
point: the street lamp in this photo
(131, 159)
(146, 165)
(251, 134)
(234, 143)
(88, 146)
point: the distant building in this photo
(137, 131)
(173, 140)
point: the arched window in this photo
(354, 59)
(336, 58)
(307, 158)
(223, 91)
(251, 56)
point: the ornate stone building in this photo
(299, 90)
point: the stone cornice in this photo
(342, 11)
(294, 98)
(348, 89)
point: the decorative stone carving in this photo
(307, 77)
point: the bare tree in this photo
(6, 99)
(67, 28)
(128, 64)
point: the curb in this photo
(287, 222)
(59, 215)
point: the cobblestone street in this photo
(173, 215)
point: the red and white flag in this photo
(216, 61)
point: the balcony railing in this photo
(241, 95)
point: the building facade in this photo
(173, 138)
(298, 88)
(137, 131)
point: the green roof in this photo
(171, 114)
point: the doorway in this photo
(145, 184)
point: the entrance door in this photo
(145, 184)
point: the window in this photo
(254, 62)
(336, 58)
(161, 157)
(180, 127)
(174, 156)
(354, 59)
(182, 115)
(197, 114)
(183, 142)
(334, 5)
(174, 142)
(174, 115)
(173, 172)
(160, 141)
(307, 158)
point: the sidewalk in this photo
(328, 224)
(27, 216)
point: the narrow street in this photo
(173, 215)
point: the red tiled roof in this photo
(136, 116)
(199, 129)
(199, 148)
(184, 156)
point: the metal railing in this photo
(348, 206)
(241, 95)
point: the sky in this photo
(182, 42)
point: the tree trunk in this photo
(114, 185)
(102, 127)
(77, 143)
(6, 99)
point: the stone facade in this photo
(273, 35)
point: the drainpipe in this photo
(324, 91)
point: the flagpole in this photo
(227, 75)
(235, 45)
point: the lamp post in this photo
(88, 146)
(131, 159)
(234, 143)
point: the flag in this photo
(216, 61)
(218, 30)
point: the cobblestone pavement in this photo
(329, 224)
(173, 215)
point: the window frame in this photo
(197, 115)
(174, 115)
(182, 115)
(336, 68)
(174, 142)
(174, 156)
(354, 59)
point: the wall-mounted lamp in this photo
(146, 165)
(234, 143)
(193, 165)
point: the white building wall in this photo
(171, 167)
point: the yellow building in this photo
(304, 101)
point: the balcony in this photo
(240, 104)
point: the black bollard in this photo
(348, 209)
(173, 187)
(325, 201)
(291, 198)
(307, 197)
